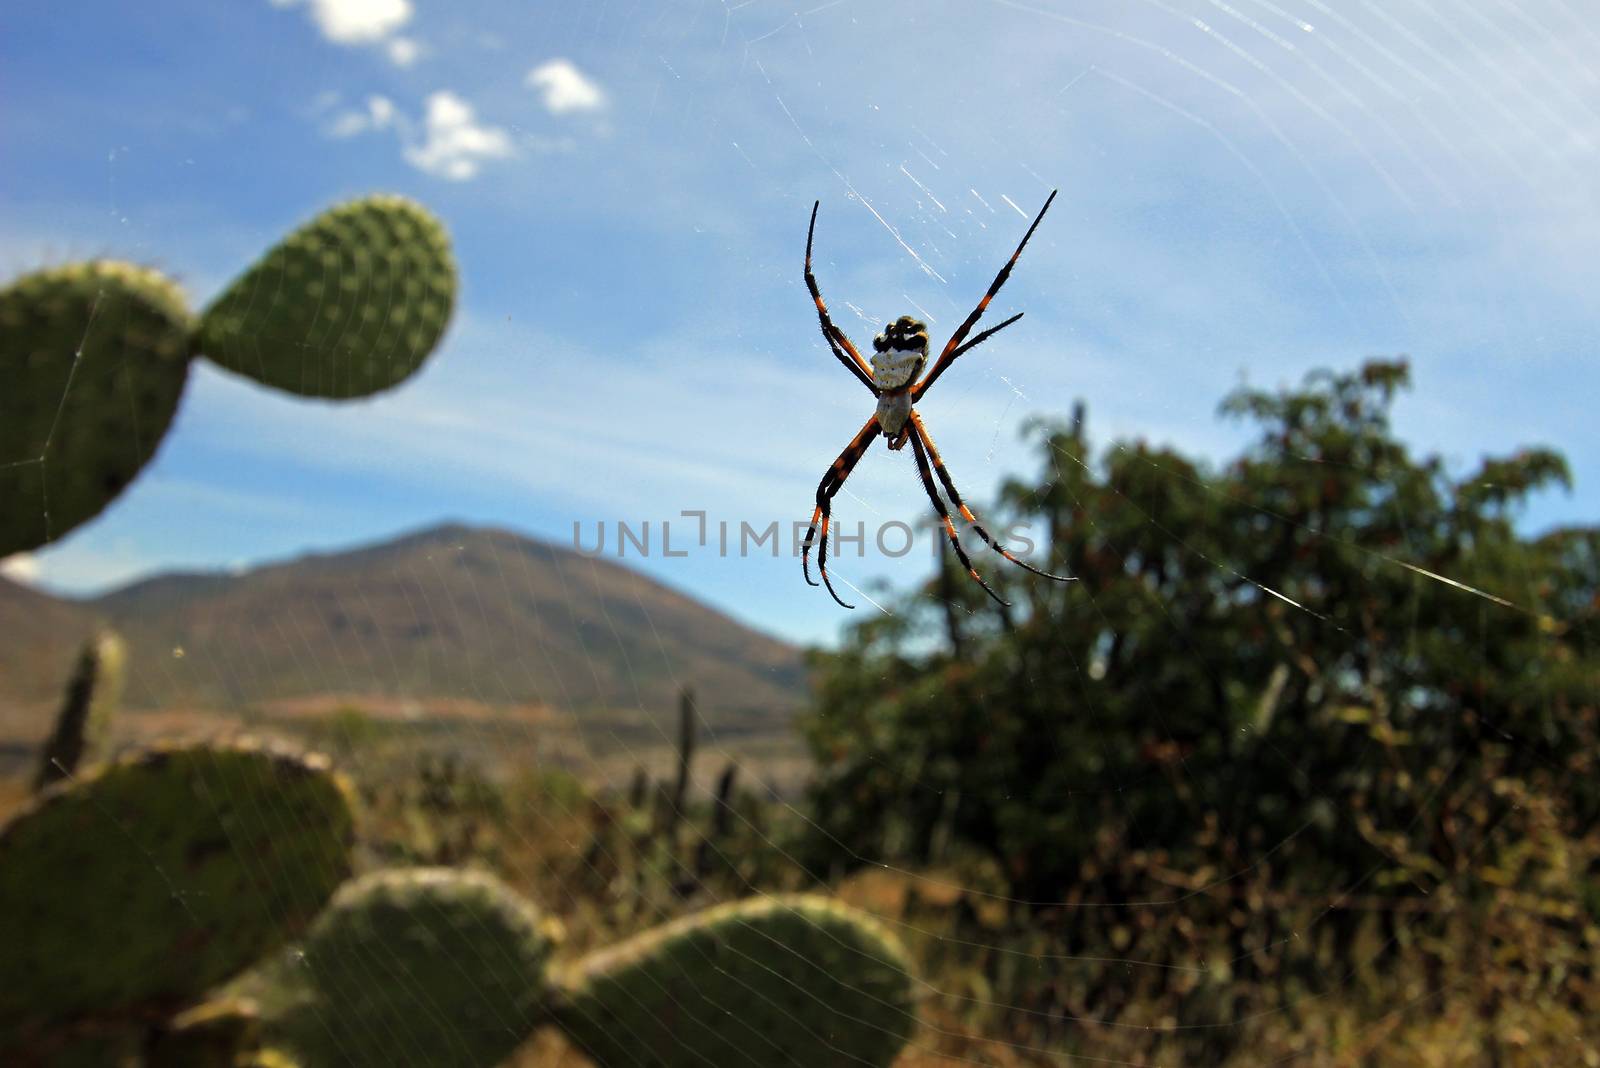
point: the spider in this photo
(898, 356)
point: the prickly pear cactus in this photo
(83, 725)
(797, 980)
(348, 305)
(130, 890)
(93, 360)
(430, 966)
(94, 356)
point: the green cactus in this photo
(94, 357)
(217, 1034)
(794, 980)
(130, 890)
(443, 967)
(419, 966)
(348, 305)
(84, 722)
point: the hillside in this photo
(42, 635)
(471, 615)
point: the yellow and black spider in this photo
(898, 355)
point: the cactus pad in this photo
(348, 305)
(797, 981)
(134, 888)
(420, 966)
(93, 358)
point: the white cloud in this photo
(564, 88)
(379, 114)
(403, 51)
(355, 21)
(364, 22)
(22, 568)
(381, 108)
(448, 142)
(454, 143)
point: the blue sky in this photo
(1248, 189)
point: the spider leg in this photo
(953, 347)
(949, 527)
(966, 513)
(837, 341)
(831, 483)
(974, 343)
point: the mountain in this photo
(455, 613)
(39, 637)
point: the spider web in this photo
(1249, 191)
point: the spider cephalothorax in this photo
(898, 356)
(904, 336)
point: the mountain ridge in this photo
(445, 611)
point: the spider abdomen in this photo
(893, 411)
(894, 368)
